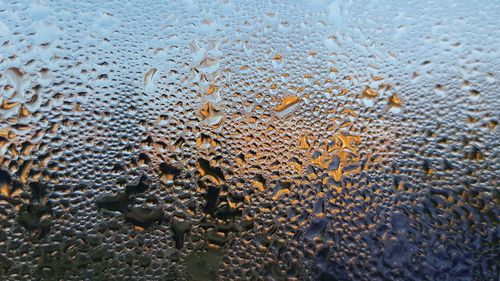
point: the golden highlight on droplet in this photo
(260, 185)
(211, 90)
(280, 193)
(210, 115)
(370, 93)
(394, 100)
(8, 105)
(304, 143)
(24, 112)
(286, 103)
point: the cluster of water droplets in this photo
(249, 140)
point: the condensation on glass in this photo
(249, 140)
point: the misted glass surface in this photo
(249, 140)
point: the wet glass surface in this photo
(249, 140)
